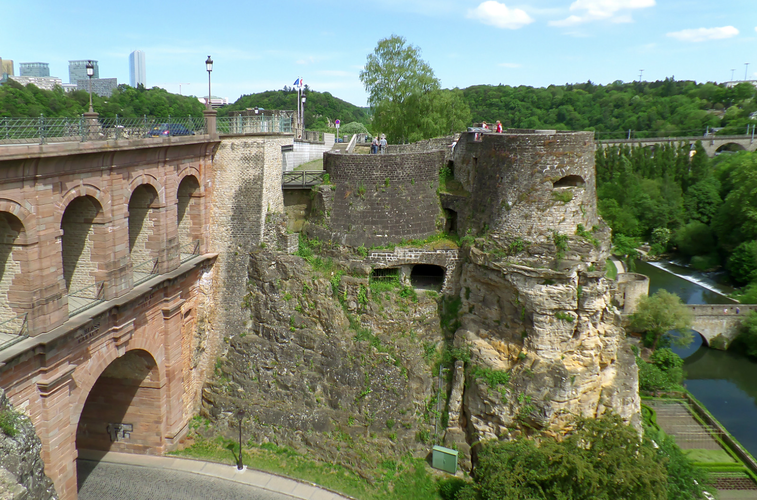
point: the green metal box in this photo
(444, 459)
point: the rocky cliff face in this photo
(22, 472)
(328, 366)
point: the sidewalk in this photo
(257, 479)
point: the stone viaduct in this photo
(709, 320)
(712, 144)
(109, 280)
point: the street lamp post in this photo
(303, 113)
(209, 67)
(240, 416)
(90, 74)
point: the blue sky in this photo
(263, 45)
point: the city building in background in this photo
(103, 87)
(42, 82)
(6, 68)
(215, 101)
(137, 74)
(77, 70)
(37, 69)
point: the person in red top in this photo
(499, 127)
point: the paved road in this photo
(108, 481)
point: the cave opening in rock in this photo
(427, 277)
(450, 221)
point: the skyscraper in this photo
(34, 69)
(137, 74)
(77, 70)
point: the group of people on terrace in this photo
(498, 128)
(378, 145)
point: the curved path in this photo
(120, 476)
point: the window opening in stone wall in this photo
(427, 277)
(142, 221)
(570, 181)
(81, 254)
(188, 217)
(450, 221)
(386, 274)
(11, 234)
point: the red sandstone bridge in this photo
(712, 144)
(107, 269)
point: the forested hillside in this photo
(17, 100)
(650, 109)
(320, 107)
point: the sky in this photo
(259, 45)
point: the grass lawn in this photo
(404, 479)
(709, 456)
(312, 165)
(612, 271)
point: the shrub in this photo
(8, 422)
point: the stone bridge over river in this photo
(712, 144)
(107, 275)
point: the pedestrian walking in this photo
(382, 144)
(375, 145)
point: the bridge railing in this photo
(144, 271)
(300, 179)
(651, 135)
(84, 298)
(44, 130)
(189, 250)
(254, 124)
(13, 330)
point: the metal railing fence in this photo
(44, 130)
(254, 124)
(189, 250)
(84, 298)
(13, 330)
(298, 179)
(144, 271)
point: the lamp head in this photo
(209, 64)
(90, 69)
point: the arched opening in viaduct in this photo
(427, 277)
(144, 239)
(189, 216)
(12, 235)
(83, 248)
(730, 147)
(570, 181)
(123, 411)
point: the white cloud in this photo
(499, 15)
(704, 34)
(596, 10)
(510, 65)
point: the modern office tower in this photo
(77, 70)
(34, 69)
(6, 67)
(103, 87)
(137, 74)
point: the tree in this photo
(405, 96)
(602, 459)
(657, 314)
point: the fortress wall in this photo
(511, 180)
(435, 144)
(380, 199)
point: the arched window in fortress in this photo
(144, 233)
(12, 234)
(189, 217)
(570, 181)
(427, 277)
(82, 251)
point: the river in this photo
(725, 382)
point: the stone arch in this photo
(145, 179)
(729, 147)
(83, 190)
(569, 181)
(27, 218)
(83, 252)
(120, 409)
(427, 276)
(13, 283)
(144, 231)
(189, 216)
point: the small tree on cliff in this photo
(660, 313)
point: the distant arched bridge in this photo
(712, 144)
(711, 320)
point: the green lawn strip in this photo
(311, 165)
(719, 440)
(403, 480)
(612, 271)
(709, 456)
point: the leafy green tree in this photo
(602, 459)
(746, 341)
(702, 200)
(660, 313)
(695, 238)
(742, 264)
(405, 96)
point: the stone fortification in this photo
(526, 183)
(435, 144)
(381, 199)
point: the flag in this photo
(302, 83)
(297, 82)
